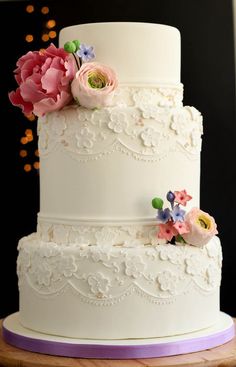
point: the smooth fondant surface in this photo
(140, 53)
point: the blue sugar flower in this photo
(177, 214)
(85, 53)
(163, 215)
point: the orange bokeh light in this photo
(29, 8)
(52, 34)
(45, 37)
(45, 10)
(30, 117)
(27, 167)
(24, 140)
(28, 132)
(23, 153)
(50, 23)
(29, 38)
(36, 165)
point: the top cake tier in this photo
(141, 53)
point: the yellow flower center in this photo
(204, 222)
(96, 80)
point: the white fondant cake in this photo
(96, 267)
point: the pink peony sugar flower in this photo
(181, 227)
(202, 227)
(181, 197)
(44, 79)
(94, 85)
(167, 231)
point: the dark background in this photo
(208, 76)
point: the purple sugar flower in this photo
(163, 215)
(177, 214)
(170, 196)
(85, 53)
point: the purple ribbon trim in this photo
(118, 351)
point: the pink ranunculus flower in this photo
(167, 231)
(44, 79)
(94, 85)
(181, 197)
(202, 228)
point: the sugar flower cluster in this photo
(50, 79)
(195, 227)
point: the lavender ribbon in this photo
(118, 351)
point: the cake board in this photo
(15, 334)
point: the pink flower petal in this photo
(94, 97)
(167, 231)
(51, 80)
(49, 104)
(181, 197)
(17, 100)
(43, 76)
(181, 227)
(53, 51)
(58, 63)
(31, 92)
(46, 65)
(198, 235)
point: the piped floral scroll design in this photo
(142, 130)
(105, 275)
(128, 236)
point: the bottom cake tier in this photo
(117, 292)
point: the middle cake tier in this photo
(106, 165)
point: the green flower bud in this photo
(70, 47)
(157, 203)
(77, 44)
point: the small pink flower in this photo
(202, 227)
(44, 80)
(167, 231)
(181, 197)
(94, 85)
(181, 227)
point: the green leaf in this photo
(180, 239)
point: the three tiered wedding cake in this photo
(113, 134)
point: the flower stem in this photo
(76, 61)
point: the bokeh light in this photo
(36, 165)
(24, 140)
(23, 153)
(30, 117)
(45, 10)
(50, 23)
(52, 34)
(27, 167)
(29, 38)
(45, 37)
(29, 8)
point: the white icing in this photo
(96, 268)
(139, 52)
(141, 133)
(128, 234)
(84, 164)
(105, 275)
